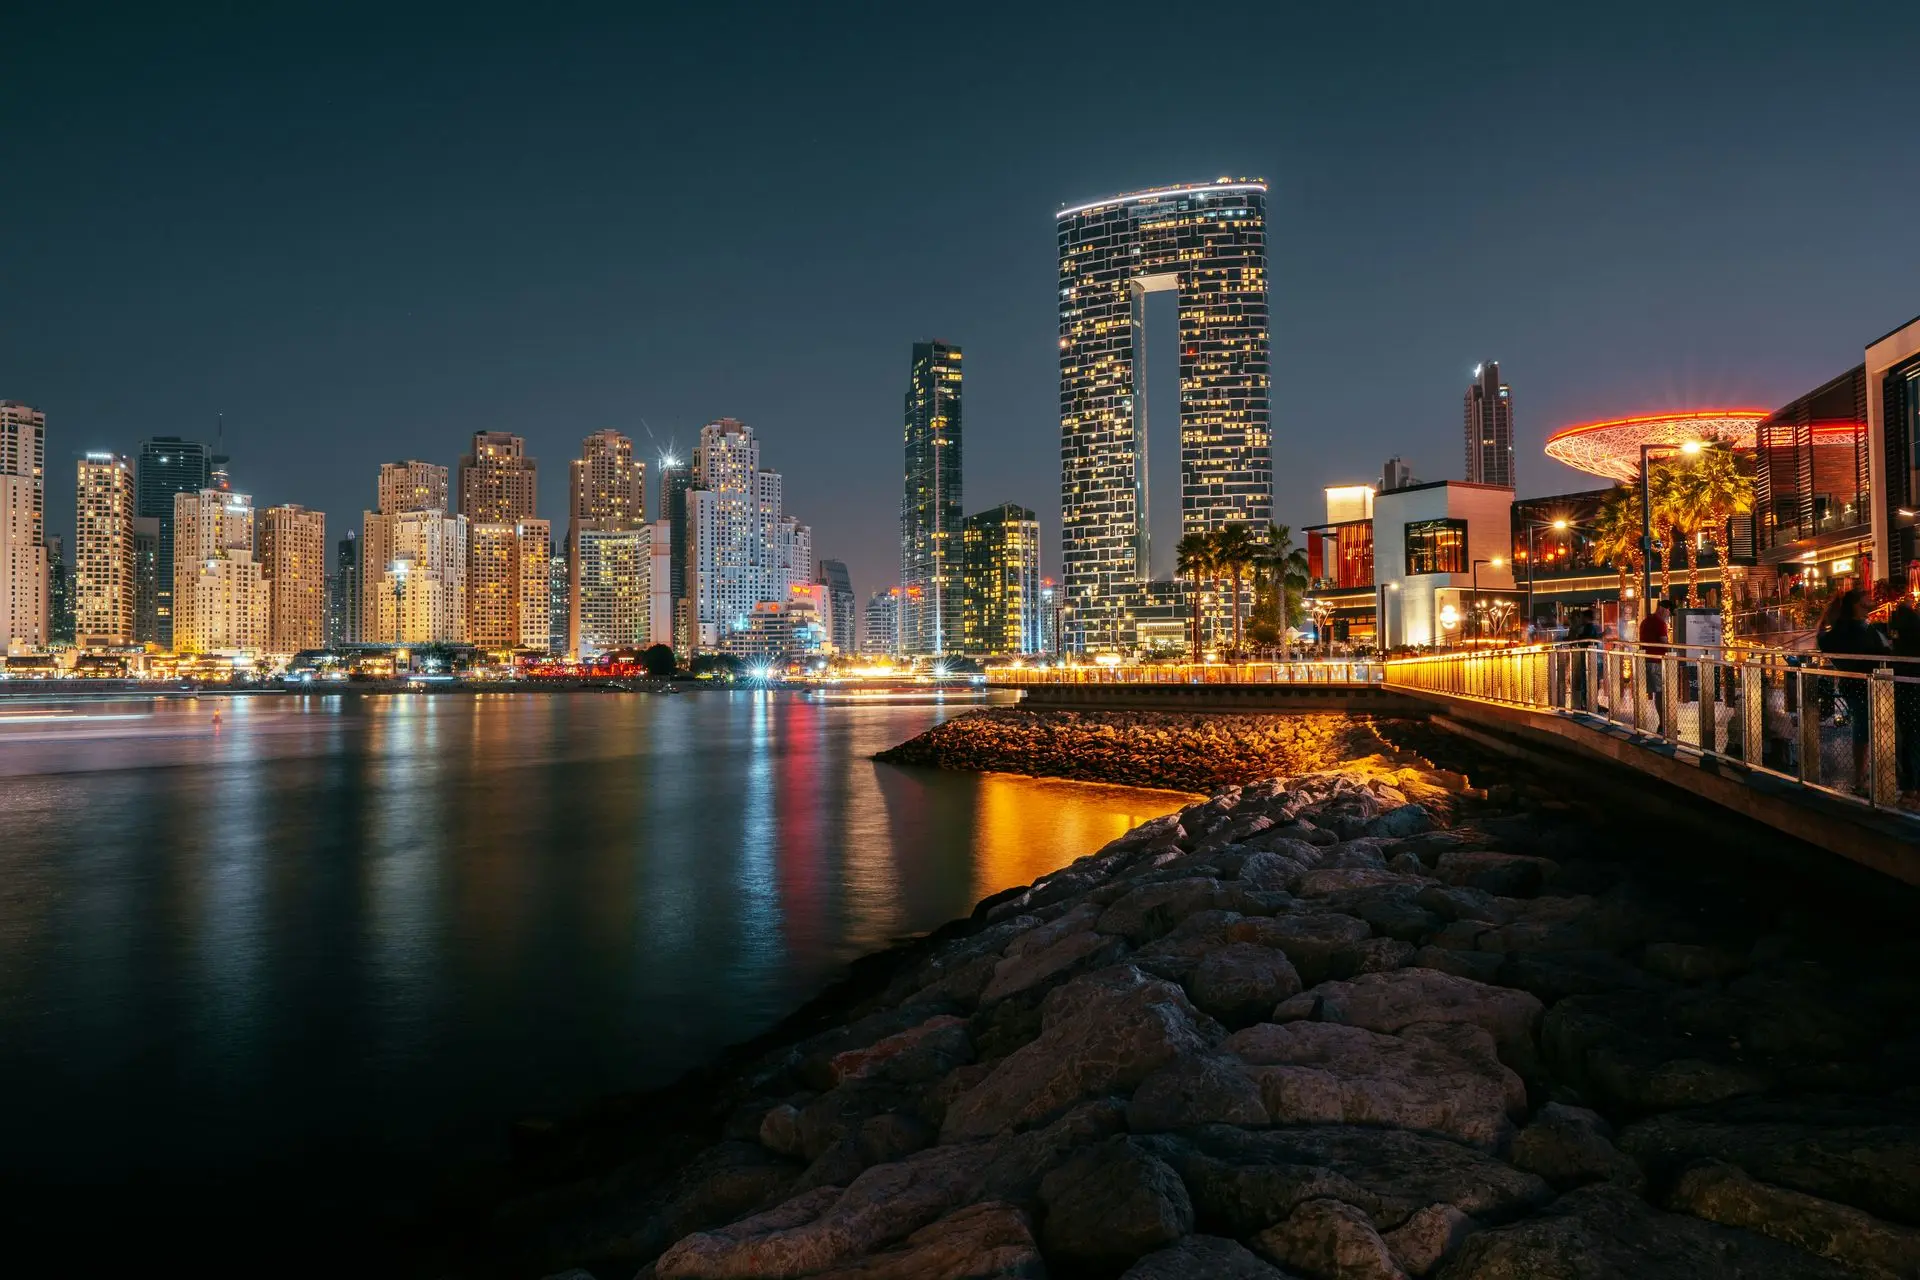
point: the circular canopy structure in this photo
(1612, 448)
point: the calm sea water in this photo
(300, 961)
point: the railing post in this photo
(1707, 723)
(1610, 664)
(1809, 726)
(1883, 738)
(1670, 694)
(1753, 714)
(1542, 696)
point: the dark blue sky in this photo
(362, 236)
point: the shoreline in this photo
(1267, 959)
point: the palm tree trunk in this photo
(1722, 550)
(1280, 602)
(1666, 561)
(1236, 610)
(1693, 574)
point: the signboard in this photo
(1700, 627)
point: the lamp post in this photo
(1533, 559)
(1496, 562)
(1646, 513)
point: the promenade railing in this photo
(1845, 725)
(1339, 672)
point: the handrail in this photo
(1358, 671)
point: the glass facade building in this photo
(1206, 242)
(1489, 427)
(930, 514)
(1001, 579)
(165, 466)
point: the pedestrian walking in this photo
(1851, 646)
(1654, 635)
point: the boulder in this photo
(812, 1059)
(1101, 1033)
(780, 1129)
(1396, 916)
(1018, 1164)
(1553, 975)
(1569, 1146)
(1016, 973)
(1042, 936)
(1505, 875)
(1573, 923)
(1329, 1240)
(1203, 1258)
(991, 1241)
(1176, 955)
(1390, 1002)
(1276, 869)
(1143, 914)
(718, 1185)
(1604, 1231)
(827, 1226)
(1327, 881)
(1429, 1238)
(1240, 982)
(1862, 1152)
(1436, 1078)
(1481, 966)
(1456, 902)
(1626, 1050)
(920, 1053)
(1375, 955)
(1867, 1245)
(1244, 1180)
(1110, 1204)
(1310, 941)
(1195, 1091)
(1407, 820)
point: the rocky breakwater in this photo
(1199, 753)
(1360, 1023)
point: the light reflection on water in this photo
(362, 933)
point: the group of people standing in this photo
(1854, 644)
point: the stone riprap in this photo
(1198, 753)
(1367, 1022)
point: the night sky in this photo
(362, 237)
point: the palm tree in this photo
(1726, 491)
(1662, 498)
(1195, 558)
(1616, 535)
(1691, 514)
(1234, 550)
(1286, 567)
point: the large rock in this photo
(1505, 875)
(1429, 1238)
(1869, 1246)
(1203, 1258)
(1604, 1231)
(1017, 1165)
(1642, 1054)
(1407, 820)
(923, 1052)
(1195, 1091)
(1239, 983)
(1102, 1033)
(1143, 914)
(827, 1227)
(1435, 1077)
(1016, 973)
(1108, 1205)
(1242, 1181)
(1329, 1240)
(1481, 966)
(1278, 869)
(1312, 942)
(718, 1185)
(1391, 1002)
(1865, 1152)
(1569, 1146)
(1554, 975)
(991, 1241)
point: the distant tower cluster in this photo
(221, 599)
(413, 560)
(930, 511)
(1489, 427)
(1207, 243)
(25, 604)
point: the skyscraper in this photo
(509, 549)
(59, 594)
(930, 511)
(607, 491)
(413, 560)
(103, 565)
(676, 479)
(840, 601)
(1001, 579)
(293, 560)
(560, 603)
(616, 589)
(146, 579)
(1207, 243)
(345, 623)
(168, 465)
(25, 604)
(880, 625)
(220, 596)
(734, 556)
(1489, 427)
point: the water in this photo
(303, 961)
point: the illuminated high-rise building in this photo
(146, 579)
(840, 603)
(880, 624)
(1000, 551)
(1049, 618)
(559, 603)
(1489, 427)
(293, 560)
(103, 562)
(607, 491)
(410, 591)
(168, 466)
(1207, 243)
(616, 589)
(25, 603)
(930, 511)
(676, 480)
(509, 550)
(343, 625)
(220, 595)
(735, 559)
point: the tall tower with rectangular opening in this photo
(1208, 243)
(930, 519)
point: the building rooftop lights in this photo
(1152, 193)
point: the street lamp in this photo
(1690, 448)
(1496, 562)
(1533, 558)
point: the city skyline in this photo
(579, 293)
